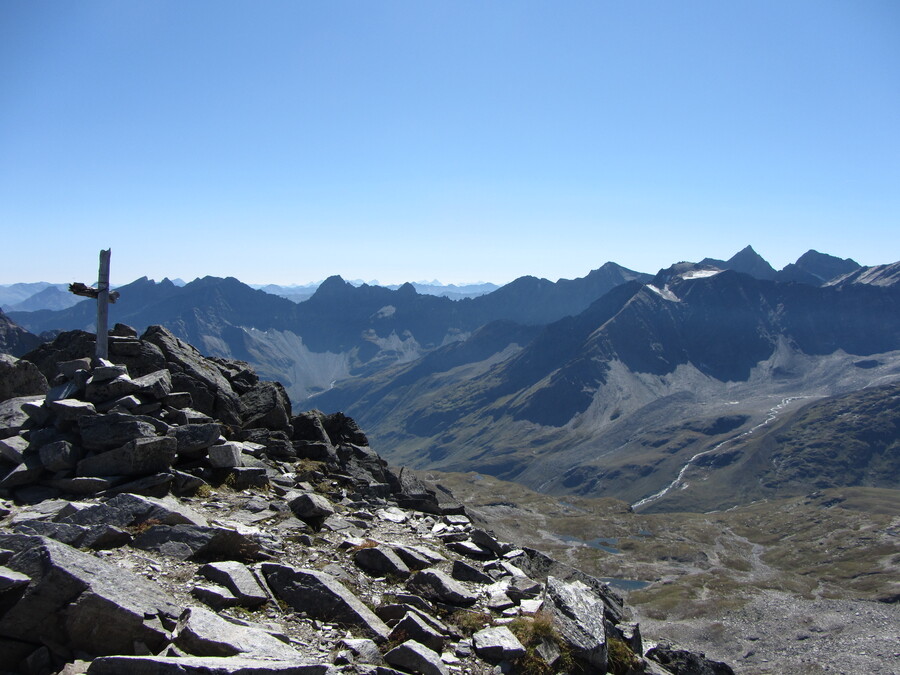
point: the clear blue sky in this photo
(287, 141)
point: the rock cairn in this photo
(163, 513)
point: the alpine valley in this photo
(720, 439)
(671, 392)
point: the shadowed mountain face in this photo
(14, 339)
(342, 330)
(603, 395)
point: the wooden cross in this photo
(103, 297)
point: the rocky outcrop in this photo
(19, 378)
(142, 534)
(14, 339)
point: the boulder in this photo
(311, 507)
(308, 427)
(201, 632)
(463, 571)
(59, 456)
(681, 662)
(578, 614)
(98, 390)
(538, 565)
(210, 390)
(266, 406)
(194, 439)
(322, 596)
(203, 665)
(126, 510)
(156, 385)
(138, 457)
(497, 643)
(20, 378)
(413, 627)
(13, 415)
(380, 560)
(69, 409)
(436, 585)
(237, 578)
(104, 432)
(225, 455)
(413, 657)
(196, 542)
(78, 600)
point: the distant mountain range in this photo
(567, 386)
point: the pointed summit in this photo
(750, 262)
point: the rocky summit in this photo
(163, 513)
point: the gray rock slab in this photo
(487, 540)
(77, 599)
(69, 409)
(19, 377)
(311, 506)
(196, 542)
(217, 597)
(321, 596)
(463, 571)
(205, 633)
(86, 485)
(11, 580)
(12, 416)
(414, 558)
(28, 471)
(363, 650)
(113, 430)
(682, 662)
(68, 368)
(471, 550)
(136, 458)
(224, 455)
(413, 657)
(193, 439)
(497, 643)
(380, 560)
(203, 665)
(237, 578)
(434, 584)
(523, 588)
(578, 613)
(156, 385)
(64, 532)
(129, 509)
(12, 449)
(414, 627)
(59, 456)
(104, 390)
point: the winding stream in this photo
(773, 413)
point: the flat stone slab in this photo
(416, 658)
(136, 458)
(105, 432)
(578, 613)
(238, 579)
(497, 644)
(322, 596)
(205, 633)
(77, 599)
(202, 665)
(435, 584)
